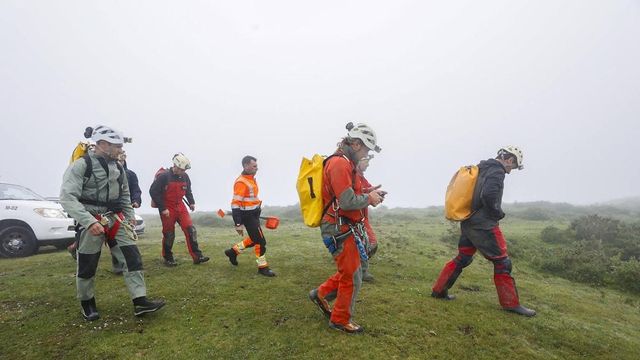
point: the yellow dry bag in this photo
(79, 151)
(309, 186)
(457, 201)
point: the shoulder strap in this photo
(121, 179)
(353, 184)
(89, 169)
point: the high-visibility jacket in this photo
(245, 193)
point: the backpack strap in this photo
(334, 198)
(121, 179)
(89, 169)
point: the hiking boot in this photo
(266, 272)
(521, 310)
(349, 328)
(170, 262)
(142, 306)
(442, 296)
(323, 305)
(367, 277)
(233, 257)
(200, 260)
(117, 272)
(89, 309)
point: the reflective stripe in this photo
(252, 207)
(262, 261)
(245, 199)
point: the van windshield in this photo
(16, 192)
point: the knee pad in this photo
(87, 265)
(502, 266)
(169, 237)
(132, 257)
(463, 260)
(193, 234)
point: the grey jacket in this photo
(100, 187)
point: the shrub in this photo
(625, 274)
(553, 235)
(595, 227)
(535, 214)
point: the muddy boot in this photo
(443, 295)
(367, 277)
(266, 272)
(322, 304)
(89, 309)
(142, 305)
(233, 257)
(349, 328)
(200, 260)
(170, 262)
(521, 310)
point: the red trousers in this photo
(179, 214)
(344, 284)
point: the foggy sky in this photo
(443, 83)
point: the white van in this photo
(27, 221)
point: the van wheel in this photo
(17, 241)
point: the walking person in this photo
(342, 227)
(372, 241)
(246, 209)
(481, 232)
(136, 200)
(167, 193)
(94, 192)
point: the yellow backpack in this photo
(79, 150)
(309, 186)
(459, 196)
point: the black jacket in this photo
(487, 195)
(134, 187)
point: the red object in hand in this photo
(272, 222)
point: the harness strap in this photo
(110, 232)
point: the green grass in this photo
(216, 310)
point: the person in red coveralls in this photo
(167, 192)
(343, 226)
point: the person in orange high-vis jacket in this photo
(245, 209)
(342, 227)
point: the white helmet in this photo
(515, 151)
(366, 134)
(107, 134)
(181, 161)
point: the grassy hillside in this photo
(218, 311)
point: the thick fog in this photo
(443, 83)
